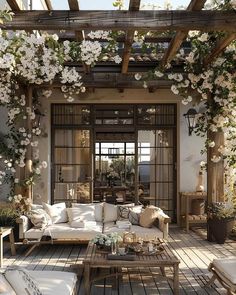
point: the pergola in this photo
(76, 23)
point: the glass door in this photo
(114, 171)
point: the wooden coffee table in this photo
(5, 231)
(96, 259)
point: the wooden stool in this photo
(224, 270)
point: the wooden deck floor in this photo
(194, 253)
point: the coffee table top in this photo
(99, 259)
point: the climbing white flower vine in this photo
(32, 59)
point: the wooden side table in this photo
(6, 231)
(185, 198)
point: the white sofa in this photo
(98, 218)
(49, 283)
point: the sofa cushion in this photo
(96, 210)
(134, 214)
(34, 233)
(148, 216)
(57, 212)
(22, 282)
(123, 211)
(55, 282)
(65, 231)
(226, 267)
(5, 287)
(110, 212)
(39, 218)
(145, 233)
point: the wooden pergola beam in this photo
(15, 5)
(48, 4)
(180, 36)
(133, 6)
(73, 4)
(220, 46)
(122, 20)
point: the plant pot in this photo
(219, 229)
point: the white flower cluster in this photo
(107, 239)
(104, 35)
(90, 51)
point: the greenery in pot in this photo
(221, 210)
(8, 216)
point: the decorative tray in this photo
(143, 250)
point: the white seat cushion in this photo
(34, 233)
(65, 231)
(149, 233)
(55, 282)
(226, 267)
(5, 287)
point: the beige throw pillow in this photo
(39, 218)
(148, 216)
(57, 212)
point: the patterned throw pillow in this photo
(123, 211)
(22, 282)
(134, 214)
(39, 218)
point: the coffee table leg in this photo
(176, 280)
(87, 279)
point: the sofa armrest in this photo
(24, 225)
(163, 223)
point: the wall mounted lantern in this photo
(190, 117)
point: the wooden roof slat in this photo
(15, 5)
(133, 6)
(180, 36)
(48, 4)
(73, 4)
(124, 20)
(220, 46)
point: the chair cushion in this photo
(55, 282)
(226, 267)
(110, 212)
(5, 287)
(22, 282)
(148, 216)
(57, 212)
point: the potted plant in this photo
(220, 222)
(8, 216)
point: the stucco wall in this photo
(189, 155)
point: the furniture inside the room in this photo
(95, 259)
(4, 232)
(192, 209)
(223, 269)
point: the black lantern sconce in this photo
(190, 117)
(38, 116)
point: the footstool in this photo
(224, 270)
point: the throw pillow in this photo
(83, 212)
(123, 211)
(5, 287)
(57, 212)
(97, 207)
(134, 214)
(110, 212)
(22, 282)
(148, 216)
(39, 218)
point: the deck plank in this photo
(194, 252)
